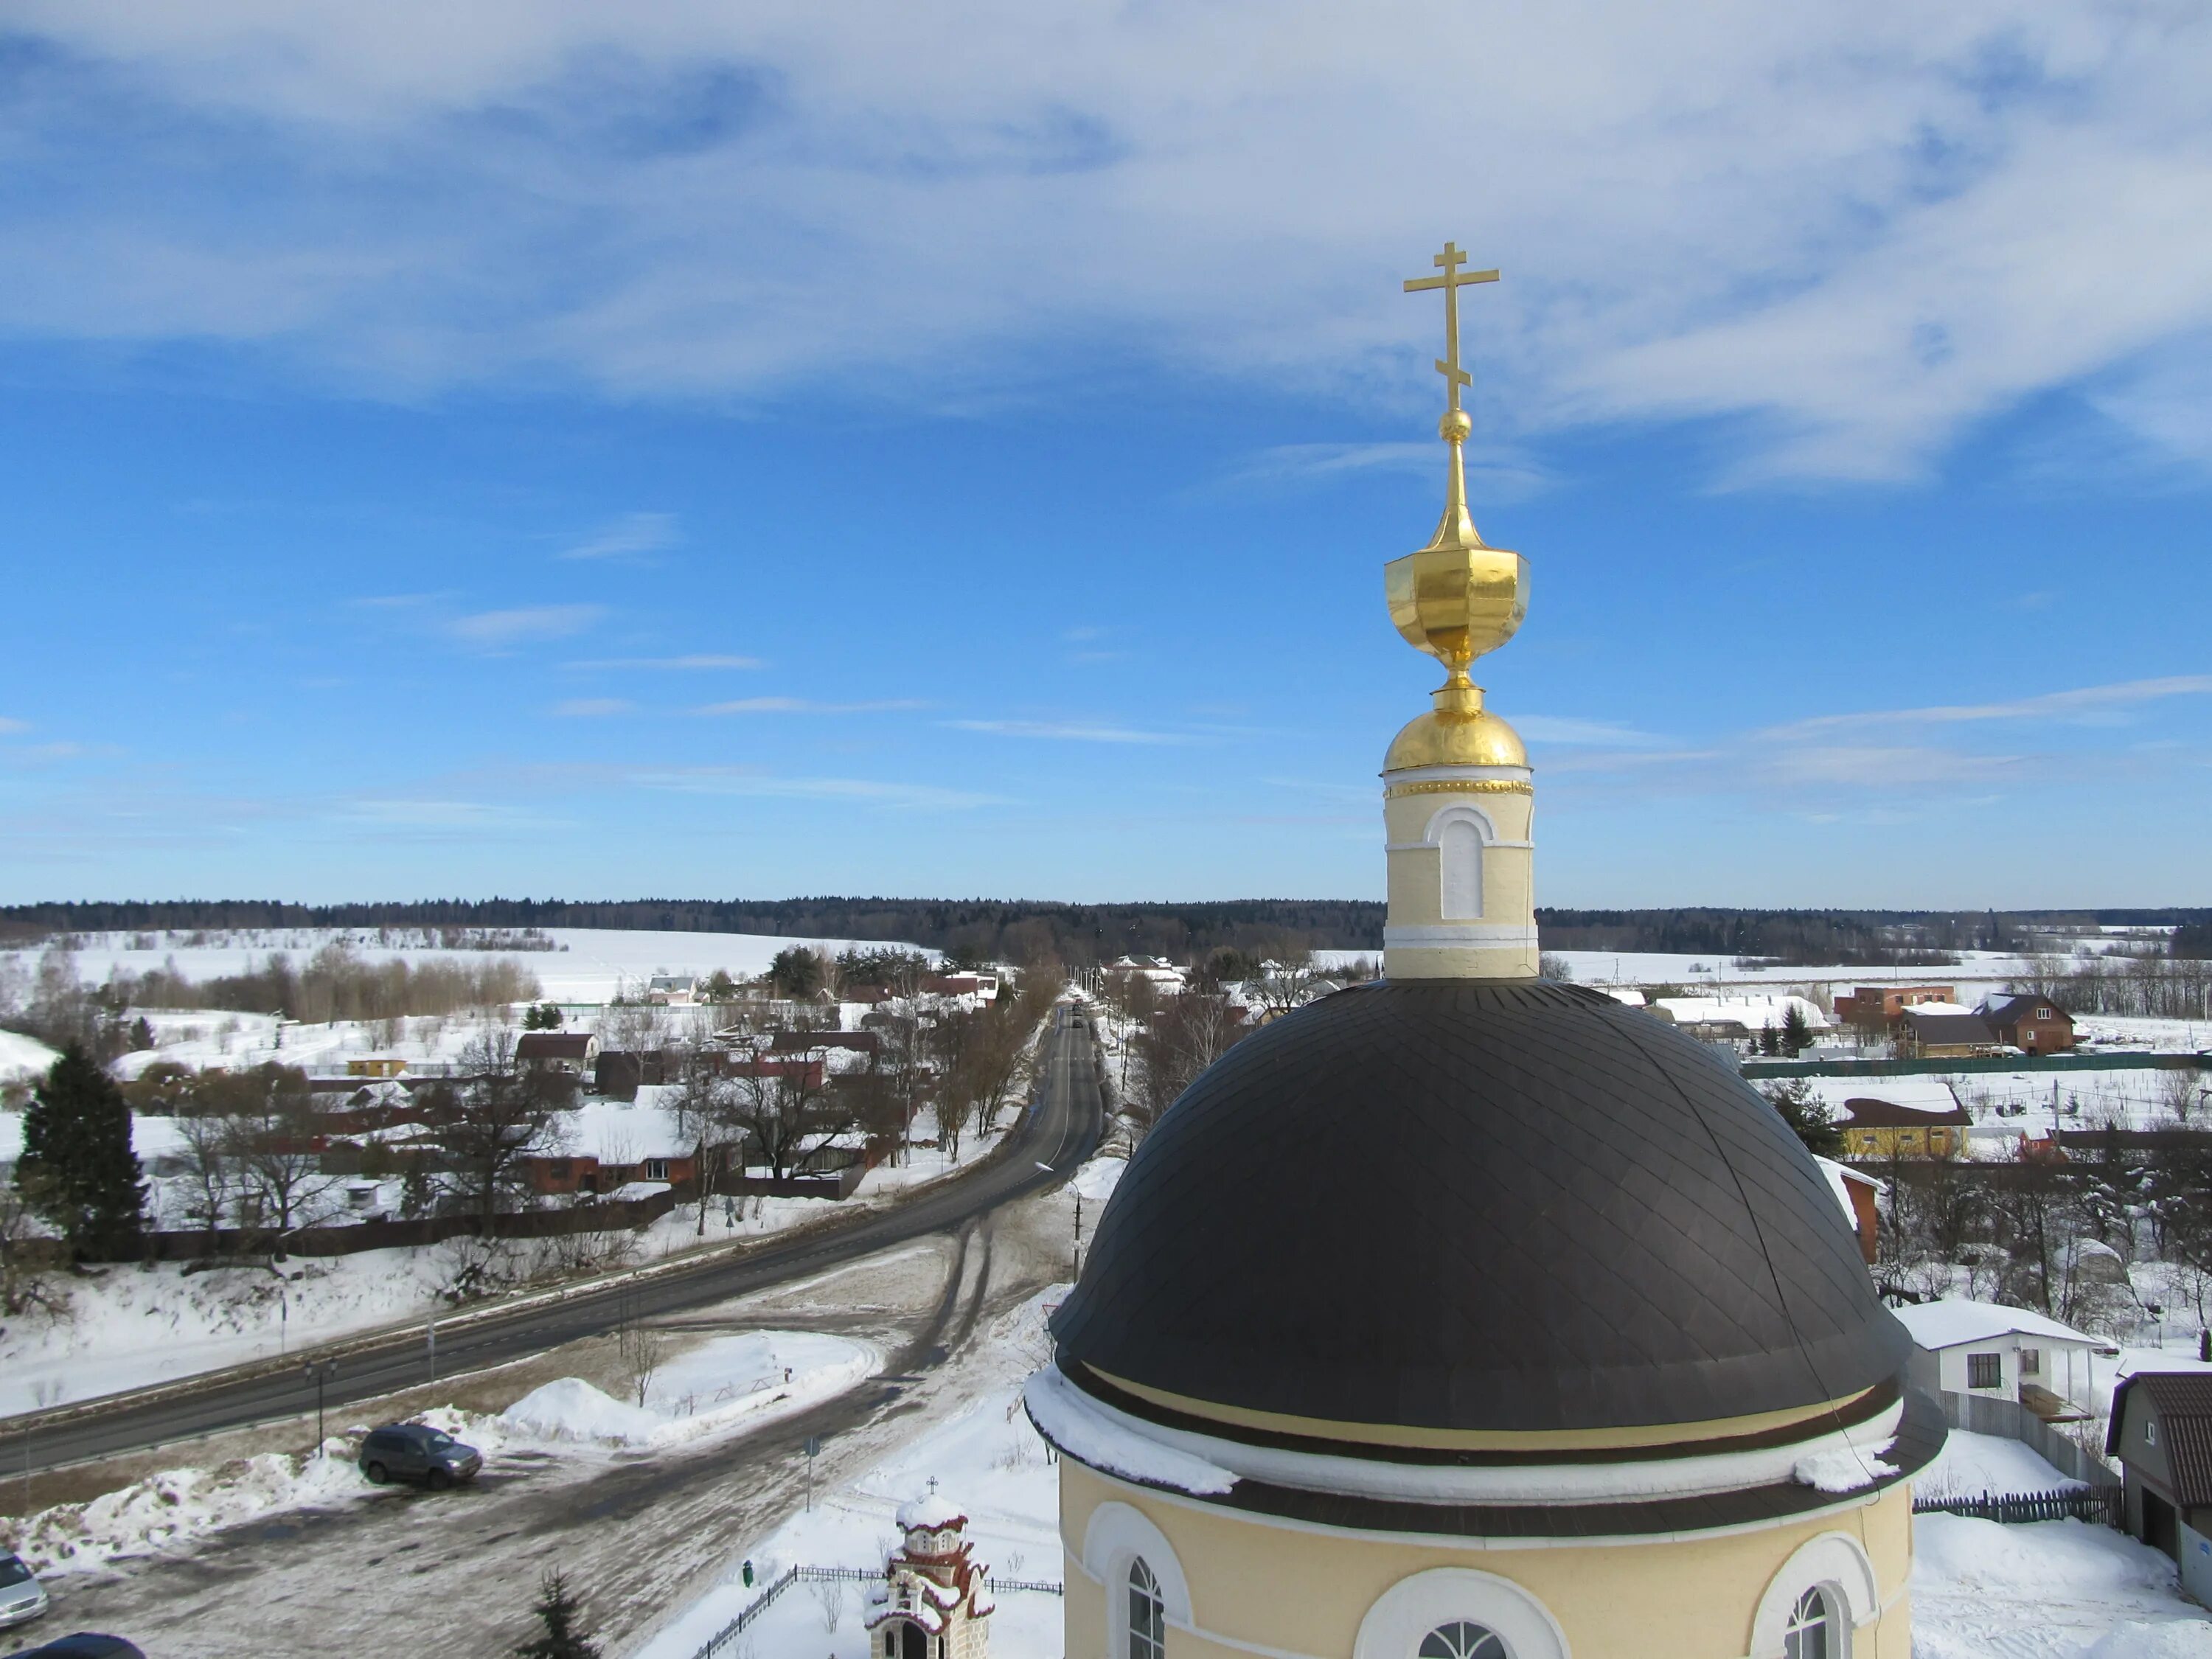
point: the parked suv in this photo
(22, 1598)
(411, 1451)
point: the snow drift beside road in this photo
(721, 1382)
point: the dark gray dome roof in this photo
(1459, 1204)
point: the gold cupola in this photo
(1457, 794)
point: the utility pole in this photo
(433, 1330)
(319, 1374)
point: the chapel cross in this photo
(1451, 282)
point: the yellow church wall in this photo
(1414, 875)
(1255, 1587)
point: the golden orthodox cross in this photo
(1451, 282)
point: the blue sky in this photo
(757, 450)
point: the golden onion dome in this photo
(1458, 732)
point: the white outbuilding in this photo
(2007, 1353)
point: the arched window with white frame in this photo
(1462, 1638)
(1811, 1631)
(1148, 1613)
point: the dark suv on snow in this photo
(411, 1451)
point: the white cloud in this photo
(690, 663)
(1846, 233)
(1567, 731)
(493, 628)
(627, 536)
(9, 726)
(717, 781)
(585, 708)
(1069, 731)
(2092, 705)
(801, 706)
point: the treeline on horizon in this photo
(1024, 931)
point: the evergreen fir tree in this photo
(1770, 1043)
(77, 1169)
(561, 1613)
(1796, 1035)
(1800, 1109)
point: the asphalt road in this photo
(1060, 1129)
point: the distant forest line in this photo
(1029, 931)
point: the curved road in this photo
(1060, 1129)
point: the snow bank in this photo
(572, 1409)
(709, 1390)
(1970, 1465)
(178, 1506)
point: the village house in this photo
(1942, 1031)
(2161, 1433)
(1858, 1194)
(375, 1065)
(1879, 1006)
(1738, 1019)
(2035, 1025)
(1882, 1128)
(672, 990)
(2006, 1353)
(575, 1052)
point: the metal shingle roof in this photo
(1479, 1205)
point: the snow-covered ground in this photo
(2052, 1590)
(588, 964)
(23, 1058)
(1976, 1465)
(724, 1385)
(986, 1460)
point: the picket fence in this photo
(761, 1603)
(2101, 1503)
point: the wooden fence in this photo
(2099, 1504)
(1986, 1414)
(204, 1243)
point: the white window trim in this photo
(1116, 1534)
(1835, 1562)
(1406, 1612)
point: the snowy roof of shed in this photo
(1955, 1321)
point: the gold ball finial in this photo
(1454, 426)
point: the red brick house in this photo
(2036, 1025)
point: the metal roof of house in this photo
(2183, 1401)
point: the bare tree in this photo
(786, 1107)
(267, 1135)
(500, 1115)
(28, 1260)
(209, 1171)
(640, 1346)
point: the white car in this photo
(22, 1597)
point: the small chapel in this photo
(933, 1602)
(1566, 1353)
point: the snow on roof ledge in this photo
(1068, 1417)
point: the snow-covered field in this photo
(724, 1385)
(1975, 1465)
(589, 964)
